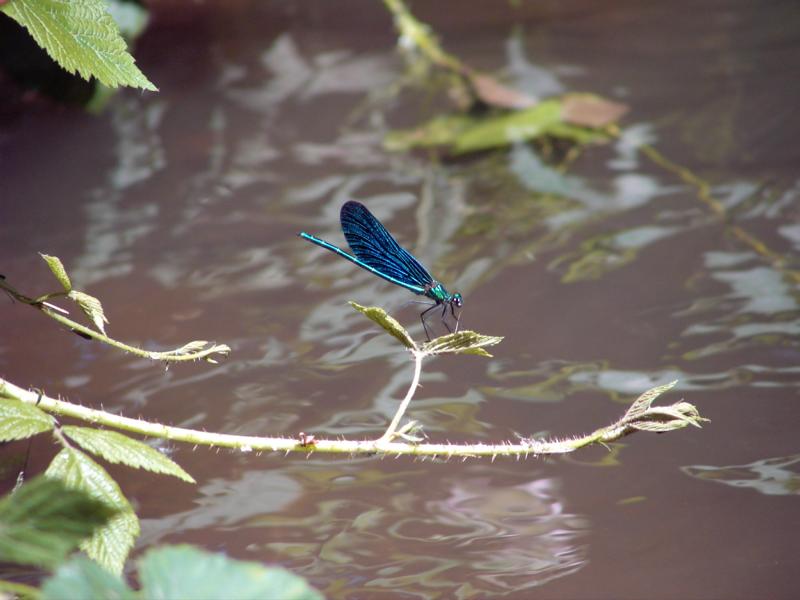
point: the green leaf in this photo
(186, 572)
(80, 36)
(117, 448)
(111, 544)
(58, 270)
(19, 420)
(644, 417)
(463, 342)
(390, 324)
(439, 131)
(507, 128)
(92, 308)
(43, 520)
(80, 579)
(556, 117)
(642, 404)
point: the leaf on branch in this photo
(109, 545)
(19, 420)
(92, 308)
(58, 271)
(82, 578)
(191, 347)
(118, 448)
(644, 417)
(187, 572)
(80, 35)
(44, 520)
(390, 324)
(198, 347)
(463, 342)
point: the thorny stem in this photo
(167, 356)
(521, 448)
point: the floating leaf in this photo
(43, 520)
(461, 134)
(80, 36)
(109, 545)
(19, 420)
(494, 93)
(92, 308)
(591, 111)
(463, 342)
(390, 324)
(58, 270)
(186, 572)
(81, 578)
(506, 128)
(117, 448)
(439, 131)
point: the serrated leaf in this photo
(191, 347)
(43, 520)
(80, 36)
(80, 579)
(58, 270)
(109, 545)
(643, 402)
(390, 324)
(19, 420)
(117, 448)
(187, 572)
(645, 417)
(463, 342)
(92, 308)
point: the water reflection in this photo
(779, 476)
(607, 274)
(506, 537)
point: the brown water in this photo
(179, 210)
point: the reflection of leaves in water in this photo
(603, 253)
(552, 381)
(777, 476)
(761, 308)
(484, 539)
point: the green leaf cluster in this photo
(462, 133)
(110, 544)
(43, 520)
(181, 571)
(81, 36)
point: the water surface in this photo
(179, 210)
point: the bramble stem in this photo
(177, 355)
(660, 418)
